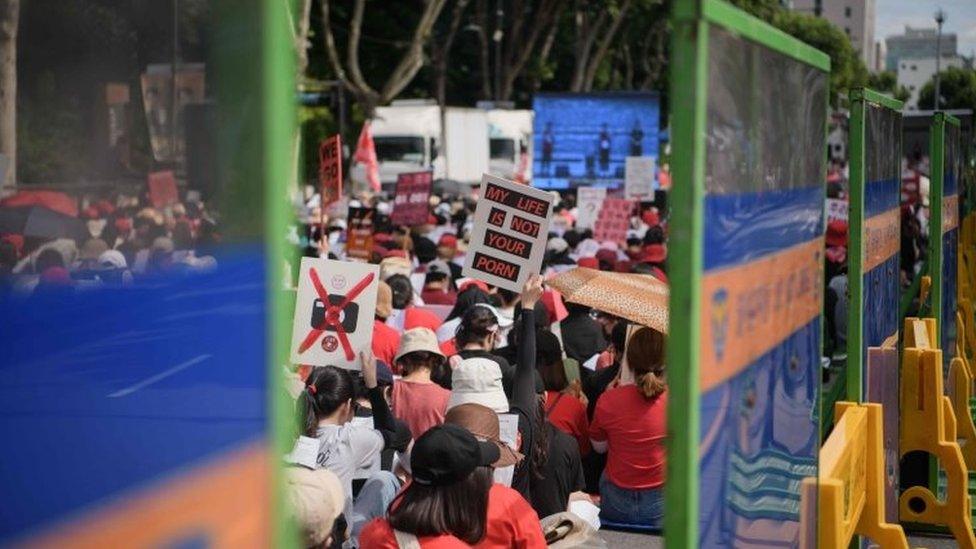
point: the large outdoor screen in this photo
(585, 139)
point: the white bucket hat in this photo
(478, 380)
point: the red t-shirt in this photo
(419, 318)
(420, 405)
(568, 414)
(634, 428)
(379, 534)
(438, 297)
(386, 341)
(511, 523)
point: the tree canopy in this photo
(957, 88)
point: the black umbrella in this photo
(40, 222)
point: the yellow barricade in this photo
(967, 335)
(928, 424)
(850, 492)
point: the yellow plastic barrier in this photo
(967, 336)
(850, 492)
(928, 424)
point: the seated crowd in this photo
(484, 417)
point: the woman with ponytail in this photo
(325, 411)
(630, 425)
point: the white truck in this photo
(409, 137)
(510, 143)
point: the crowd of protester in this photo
(414, 443)
(103, 241)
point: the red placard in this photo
(330, 170)
(359, 232)
(613, 221)
(162, 189)
(410, 207)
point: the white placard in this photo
(836, 209)
(589, 200)
(507, 433)
(334, 311)
(639, 178)
(508, 239)
(305, 452)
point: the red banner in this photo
(613, 221)
(411, 205)
(330, 170)
(162, 189)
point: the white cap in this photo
(478, 380)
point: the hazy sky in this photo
(893, 15)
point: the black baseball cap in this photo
(447, 454)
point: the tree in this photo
(350, 72)
(846, 68)
(887, 82)
(957, 88)
(440, 51)
(9, 17)
(596, 24)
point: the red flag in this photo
(366, 154)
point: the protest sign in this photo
(162, 189)
(334, 311)
(508, 238)
(614, 220)
(639, 178)
(836, 209)
(412, 194)
(507, 433)
(330, 170)
(589, 200)
(359, 232)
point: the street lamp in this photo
(940, 18)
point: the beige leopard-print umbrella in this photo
(639, 298)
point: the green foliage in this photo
(317, 125)
(763, 9)
(957, 88)
(886, 82)
(846, 68)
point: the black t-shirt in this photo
(563, 474)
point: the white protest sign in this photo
(507, 433)
(589, 200)
(639, 178)
(334, 312)
(508, 237)
(305, 452)
(836, 209)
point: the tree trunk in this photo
(586, 34)
(481, 22)
(594, 64)
(441, 54)
(9, 16)
(301, 36)
(520, 49)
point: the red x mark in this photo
(333, 313)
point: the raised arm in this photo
(523, 391)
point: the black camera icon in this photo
(349, 316)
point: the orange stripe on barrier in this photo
(882, 238)
(950, 213)
(226, 503)
(749, 309)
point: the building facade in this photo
(917, 44)
(854, 17)
(915, 73)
